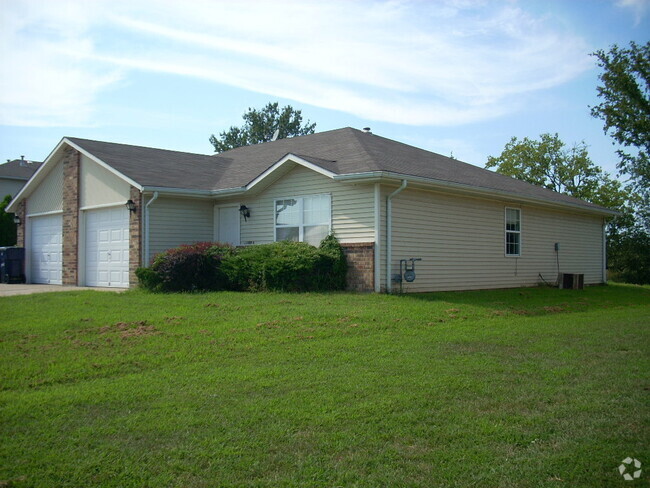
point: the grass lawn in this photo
(516, 388)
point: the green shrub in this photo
(193, 267)
(281, 266)
(287, 266)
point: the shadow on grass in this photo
(542, 299)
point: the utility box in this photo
(571, 281)
(12, 265)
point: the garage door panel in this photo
(107, 236)
(46, 249)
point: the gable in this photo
(98, 186)
(47, 196)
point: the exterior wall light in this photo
(245, 211)
(130, 205)
(17, 220)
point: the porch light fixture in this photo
(17, 220)
(245, 211)
(130, 205)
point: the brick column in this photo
(20, 229)
(71, 165)
(135, 236)
(361, 265)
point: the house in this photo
(384, 200)
(14, 174)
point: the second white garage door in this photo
(107, 247)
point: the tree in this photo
(625, 107)
(550, 164)
(7, 226)
(260, 125)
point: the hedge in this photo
(280, 266)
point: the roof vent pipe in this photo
(367, 130)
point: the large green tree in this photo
(260, 126)
(549, 163)
(7, 226)
(625, 107)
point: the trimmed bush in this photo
(288, 266)
(192, 267)
(280, 266)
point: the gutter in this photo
(162, 190)
(389, 229)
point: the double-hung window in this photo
(513, 232)
(304, 219)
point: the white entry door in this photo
(228, 225)
(107, 247)
(46, 250)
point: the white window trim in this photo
(506, 232)
(301, 224)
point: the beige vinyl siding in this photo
(99, 186)
(176, 221)
(352, 206)
(461, 243)
(48, 196)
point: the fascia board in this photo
(389, 177)
(290, 158)
(162, 190)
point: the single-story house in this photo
(14, 174)
(384, 200)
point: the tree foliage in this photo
(548, 163)
(7, 226)
(260, 125)
(625, 107)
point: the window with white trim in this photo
(303, 219)
(513, 232)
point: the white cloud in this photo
(639, 7)
(423, 63)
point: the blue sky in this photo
(450, 76)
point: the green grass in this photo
(511, 388)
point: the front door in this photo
(228, 225)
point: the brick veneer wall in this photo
(361, 265)
(70, 263)
(20, 229)
(135, 236)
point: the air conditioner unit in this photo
(571, 281)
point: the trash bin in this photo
(12, 265)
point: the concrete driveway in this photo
(7, 290)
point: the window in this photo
(304, 219)
(513, 232)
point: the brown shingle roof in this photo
(18, 169)
(341, 151)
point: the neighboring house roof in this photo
(18, 169)
(341, 154)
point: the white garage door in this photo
(46, 251)
(107, 247)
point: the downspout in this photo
(145, 258)
(377, 262)
(604, 251)
(389, 233)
